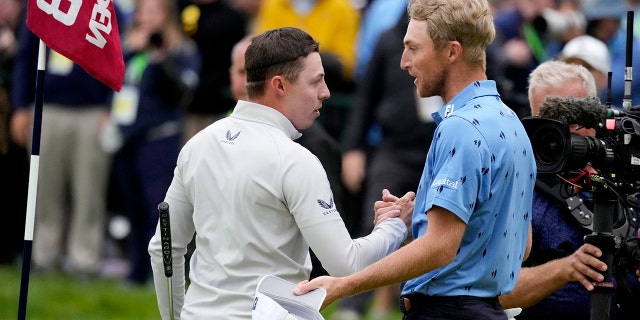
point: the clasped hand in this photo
(393, 207)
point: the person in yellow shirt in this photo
(334, 23)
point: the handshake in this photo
(393, 207)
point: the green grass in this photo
(59, 296)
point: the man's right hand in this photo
(392, 207)
(334, 286)
(584, 264)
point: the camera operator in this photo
(552, 282)
(559, 79)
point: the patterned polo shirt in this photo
(481, 167)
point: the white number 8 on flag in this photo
(67, 18)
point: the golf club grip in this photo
(165, 237)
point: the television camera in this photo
(614, 152)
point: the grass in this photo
(59, 296)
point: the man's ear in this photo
(277, 83)
(454, 50)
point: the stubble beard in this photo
(432, 88)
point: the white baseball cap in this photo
(590, 50)
(275, 300)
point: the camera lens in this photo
(590, 149)
(549, 147)
(550, 141)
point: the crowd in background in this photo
(108, 158)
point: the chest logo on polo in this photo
(448, 110)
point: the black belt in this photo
(417, 299)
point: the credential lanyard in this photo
(533, 40)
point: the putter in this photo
(167, 259)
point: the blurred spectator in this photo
(591, 53)
(378, 17)
(526, 35)
(161, 74)
(249, 8)
(13, 158)
(215, 27)
(237, 73)
(386, 95)
(501, 5)
(604, 22)
(634, 5)
(334, 24)
(11, 15)
(125, 13)
(73, 169)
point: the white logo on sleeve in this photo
(453, 184)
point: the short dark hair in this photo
(276, 52)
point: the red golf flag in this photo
(85, 31)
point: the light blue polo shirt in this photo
(481, 167)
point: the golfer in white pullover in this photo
(255, 199)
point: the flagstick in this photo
(33, 182)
